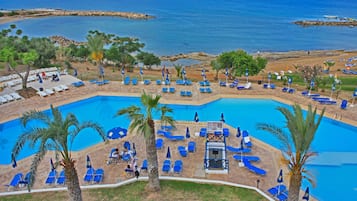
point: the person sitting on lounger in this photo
(115, 153)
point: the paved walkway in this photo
(193, 164)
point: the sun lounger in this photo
(165, 90)
(159, 143)
(172, 90)
(238, 150)
(64, 87)
(203, 132)
(249, 158)
(26, 180)
(51, 178)
(191, 146)
(166, 127)
(182, 150)
(3, 100)
(15, 181)
(16, 96)
(222, 84)
(344, 104)
(144, 166)
(42, 93)
(147, 82)
(127, 80)
(226, 132)
(62, 178)
(282, 196)
(134, 81)
(166, 167)
(158, 82)
(253, 168)
(174, 137)
(57, 89)
(234, 84)
(88, 177)
(274, 191)
(327, 102)
(178, 166)
(49, 92)
(99, 175)
(78, 84)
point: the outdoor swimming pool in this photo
(334, 169)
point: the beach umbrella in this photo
(203, 74)
(306, 194)
(354, 95)
(39, 78)
(89, 164)
(290, 80)
(226, 74)
(168, 154)
(222, 118)
(141, 72)
(163, 73)
(196, 119)
(13, 159)
(246, 74)
(312, 84)
(333, 88)
(122, 73)
(280, 178)
(188, 132)
(52, 165)
(238, 132)
(269, 78)
(101, 72)
(75, 73)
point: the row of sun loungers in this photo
(279, 192)
(49, 92)
(9, 97)
(168, 89)
(177, 167)
(95, 176)
(288, 90)
(205, 90)
(186, 93)
(169, 135)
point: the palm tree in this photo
(142, 121)
(96, 44)
(298, 142)
(58, 134)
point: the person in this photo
(115, 153)
(136, 173)
(43, 75)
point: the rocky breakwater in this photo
(326, 23)
(63, 41)
(60, 12)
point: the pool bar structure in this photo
(215, 161)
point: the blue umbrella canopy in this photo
(196, 119)
(168, 154)
(89, 164)
(222, 118)
(280, 178)
(306, 194)
(188, 132)
(238, 132)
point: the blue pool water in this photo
(335, 169)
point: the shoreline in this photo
(26, 14)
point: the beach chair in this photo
(134, 81)
(159, 143)
(113, 156)
(42, 93)
(182, 150)
(166, 167)
(127, 80)
(249, 158)
(178, 166)
(61, 178)
(203, 132)
(253, 168)
(172, 90)
(16, 96)
(344, 104)
(234, 84)
(26, 180)
(158, 82)
(238, 149)
(51, 178)
(64, 87)
(57, 89)
(165, 90)
(147, 82)
(276, 190)
(88, 177)
(191, 146)
(99, 175)
(226, 132)
(144, 166)
(15, 181)
(3, 100)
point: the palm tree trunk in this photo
(151, 154)
(294, 188)
(72, 182)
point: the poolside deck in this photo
(191, 168)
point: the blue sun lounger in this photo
(274, 191)
(166, 166)
(99, 175)
(191, 146)
(88, 177)
(51, 178)
(62, 178)
(26, 180)
(238, 149)
(159, 143)
(249, 158)
(246, 139)
(178, 166)
(182, 150)
(15, 181)
(253, 168)
(174, 137)
(144, 166)
(344, 104)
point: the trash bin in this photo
(259, 82)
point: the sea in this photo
(211, 26)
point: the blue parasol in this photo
(40, 79)
(280, 178)
(203, 74)
(290, 80)
(226, 74)
(247, 74)
(163, 73)
(52, 165)
(238, 132)
(122, 73)
(141, 72)
(188, 133)
(196, 119)
(222, 118)
(89, 164)
(306, 194)
(13, 159)
(168, 154)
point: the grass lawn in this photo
(170, 190)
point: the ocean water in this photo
(212, 26)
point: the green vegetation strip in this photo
(170, 190)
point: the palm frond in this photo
(34, 115)
(276, 131)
